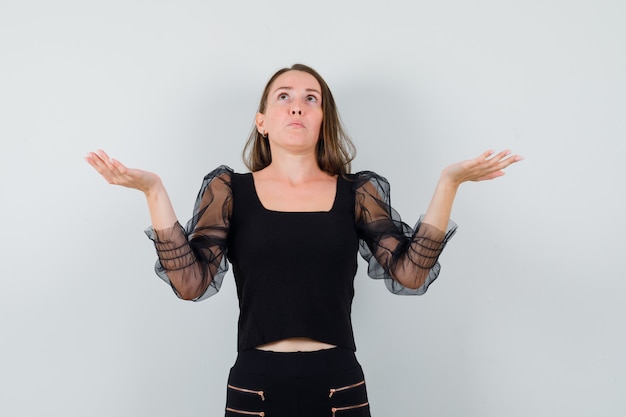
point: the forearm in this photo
(440, 207)
(414, 268)
(175, 254)
(161, 211)
(178, 263)
(190, 259)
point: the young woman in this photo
(292, 228)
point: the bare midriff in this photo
(295, 344)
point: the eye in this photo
(283, 96)
(312, 99)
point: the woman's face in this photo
(293, 113)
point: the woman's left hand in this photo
(486, 166)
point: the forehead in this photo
(296, 80)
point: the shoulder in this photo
(369, 180)
(222, 171)
(218, 179)
(224, 174)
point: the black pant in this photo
(323, 383)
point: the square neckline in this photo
(260, 203)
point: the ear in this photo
(260, 123)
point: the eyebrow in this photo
(310, 90)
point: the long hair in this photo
(335, 151)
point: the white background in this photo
(527, 318)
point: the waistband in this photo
(295, 364)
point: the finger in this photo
(121, 168)
(491, 176)
(495, 159)
(502, 160)
(485, 155)
(502, 155)
(106, 159)
(95, 161)
(495, 174)
(99, 156)
(92, 157)
(509, 160)
(102, 169)
(102, 154)
(89, 158)
(114, 166)
(105, 167)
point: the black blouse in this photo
(294, 271)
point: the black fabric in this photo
(294, 270)
(298, 384)
(193, 259)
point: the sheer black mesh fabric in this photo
(405, 257)
(193, 259)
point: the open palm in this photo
(114, 172)
(486, 166)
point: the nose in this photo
(296, 107)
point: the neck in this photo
(295, 168)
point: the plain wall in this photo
(527, 317)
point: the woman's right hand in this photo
(114, 172)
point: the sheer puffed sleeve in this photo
(405, 257)
(193, 259)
